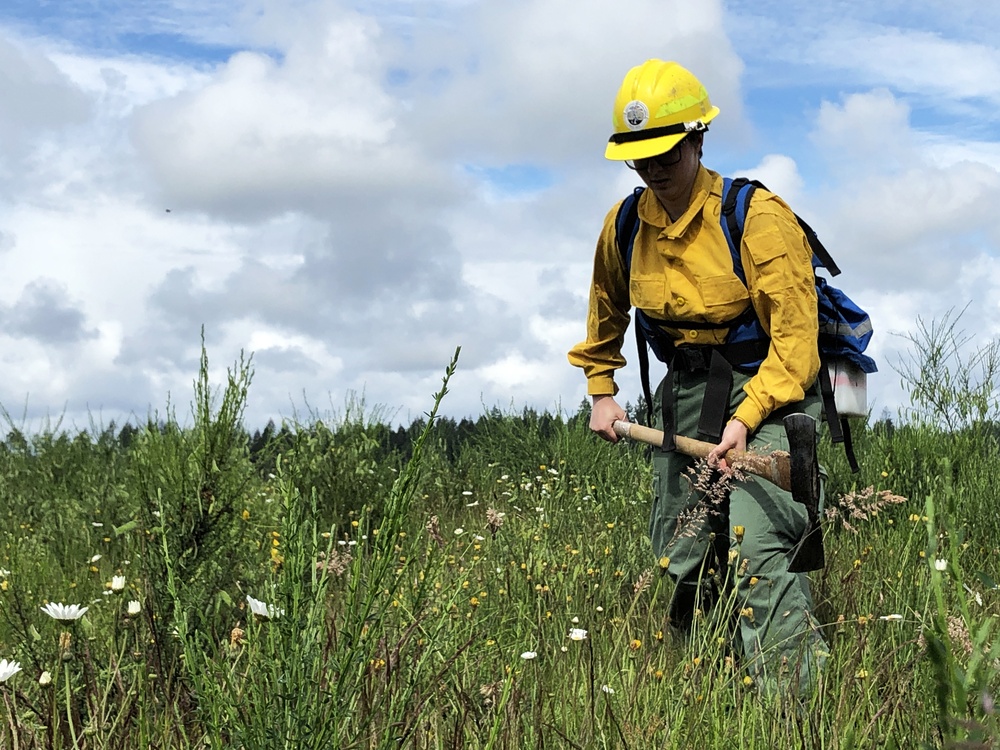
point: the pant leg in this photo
(681, 527)
(781, 645)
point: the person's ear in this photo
(700, 144)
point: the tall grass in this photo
(492, 590)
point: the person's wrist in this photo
(739, 421)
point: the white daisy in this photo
(8, 669)
(64, 611)
(266, 611)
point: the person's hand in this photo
(603, 415)
(734, 437)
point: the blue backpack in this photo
(844, 328)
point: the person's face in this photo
(670, 175)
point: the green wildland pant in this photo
(729, 550)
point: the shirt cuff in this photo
(602, 385)
(748, 413)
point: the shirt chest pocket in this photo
(722, 291)
(648, 292)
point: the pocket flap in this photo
(723, 290)
(648, 292)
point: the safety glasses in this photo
(667, 159)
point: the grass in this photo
(434, 594)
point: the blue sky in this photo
(355, 189)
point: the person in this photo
(681, 277)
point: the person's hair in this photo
(700, 135)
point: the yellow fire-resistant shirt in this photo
(683, 270)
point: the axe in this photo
(797, 472)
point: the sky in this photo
(349, 191)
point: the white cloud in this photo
(781, 175)
(266, 135)
(36, 94)
(868, 128)
(902, 213)
(919, 62)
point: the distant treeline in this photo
(447, 434)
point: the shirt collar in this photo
(706, 182)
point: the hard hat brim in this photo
(646, 148)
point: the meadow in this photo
(338, 583)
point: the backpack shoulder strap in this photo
(821, 256)
(736, 195)
(627, 226)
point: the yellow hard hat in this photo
(658, 104)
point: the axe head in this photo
(804, 470)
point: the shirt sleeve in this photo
(777, 260)
(607, 316)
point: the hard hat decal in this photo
(636, 114)
(682, 103)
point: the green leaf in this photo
(126, 527)
(986, 580)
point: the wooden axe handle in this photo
(774, 467)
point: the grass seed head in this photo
(494, 520)
(433, 528)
